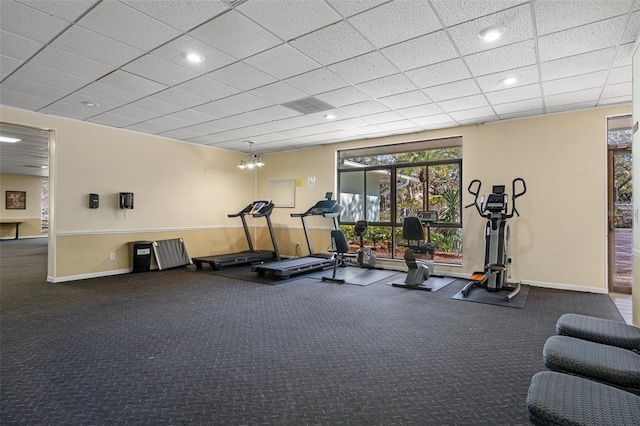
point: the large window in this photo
(383, 185)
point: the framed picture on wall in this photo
(16, 200)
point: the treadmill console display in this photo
(322, 207)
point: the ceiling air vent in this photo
(308, 105)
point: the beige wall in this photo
(560, 239)
(32, 185)
(186, 191)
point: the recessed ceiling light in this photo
(9, 140)
(330, 116)
(491, 33)
(90, 104)
(509, 81)
(194, 57)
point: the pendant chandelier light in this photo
(252, 160)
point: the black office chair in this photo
(340, 247)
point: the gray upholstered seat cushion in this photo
(599, 330)
(616, 366)
(561, 399)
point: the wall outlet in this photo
(112, 256)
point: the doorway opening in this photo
(620, 204)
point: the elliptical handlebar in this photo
(475, 194)
(474, 189)
(515, 195)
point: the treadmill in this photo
(256, 209)
(286, 268)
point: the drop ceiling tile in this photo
(71, 64)
(179, 134)
(288, 123)
(176, 50)
(453, 90)
(623, 55)
(20, 99)
(32, 88)
(351, 123)
(145, 127)
(617, 90)
(182, 15)
(345, 96)
(554, 16)
(207, 88)
(434, 75)
(433, 120)
(517, 24)
(232, 105)
(180, 98)
(190, 116)
(138, 114)
(569, 107)
(468, 102)
(521, 114)
(67, 10)
(168, 122)
(435, 47)
(112, 120)
(581, 40)
(405, 100)
(153, 68)
(289, 19)
(492, 82)
(120, 22)
(364, 108)
(572, 84)
(576, 65)
(8, 65)
(455, 12)
(267, 138)
(420, 111)
(349, 7)
(633, 28)
(67, 110)
(403, 125)
(395, 22)
(317, 81)
(235, 35)
(282, 61)
(248, 119)
(518, 106)
(91, 45)
(155, 106)
(332, 44)
(589, 96)
(49, 77)
(204, 128)
(364, 68)
(17, 47)
(387, 86)
(103, 105)
(278, 93)
(366, 130)
(612, 101)
(620, 75)
(131, 83)
(241, 76)
(484, 113)
(275, 112)
(30, 23)
(514, 94)
(382, 117)
(503, 58)
(101, 92)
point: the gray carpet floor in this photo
(183, 347)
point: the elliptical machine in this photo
(496, 237)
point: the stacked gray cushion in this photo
(616, 366)
(599, 330)
(561, 399)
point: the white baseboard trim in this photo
(24, 238)
(570, 287)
